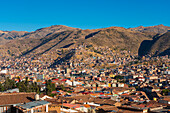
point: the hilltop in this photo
(5, 36)
(155, 29)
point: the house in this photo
(76, 107)
(54, 108)
(31, 107)
(106, 108)
(165, 100)
(9, 100)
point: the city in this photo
(85, 56)
(118, 82)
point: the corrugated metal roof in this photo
(33, 104)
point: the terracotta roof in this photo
(85, 98)
(53, 101)
(69, 99)
(128, 111)
(108, 108)
(15, 98)
(98, 101)
(109, 101)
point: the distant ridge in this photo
(156, 29)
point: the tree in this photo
(21, 86)
(165, 91)
(1, 88)
(62, 87)
(49, 87)
(26, 81)
(9, 84)
(53, 87)
(118, 77)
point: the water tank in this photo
(37, 97)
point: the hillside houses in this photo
(94, 79)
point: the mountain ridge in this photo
(157, 28)
(59, 36)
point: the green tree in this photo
(49, 87)
(1, 88)
(165, 91)
(53, 87)
(21, 86)
(9, 84)
(62, 87)
(118, 77)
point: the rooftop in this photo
(33, 104)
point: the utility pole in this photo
(62, 102)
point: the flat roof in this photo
(33, 104)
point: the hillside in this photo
(6, 36)
(46, 40)
(158, 46)
(162, 45)
(113, 37)
(152, 29)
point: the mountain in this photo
(152, 29)
(49, 39)
(113, 37)
(5, 36)
(118, 38)
(160, 45)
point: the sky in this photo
(29, 15)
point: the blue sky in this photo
(29, 15)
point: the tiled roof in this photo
(15, 98)
(108, 108)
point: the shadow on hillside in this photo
(46, 40)
(146, 45)
(67, 57)
(91, 35)
(42, 43)
(56, 44)
(68, 45)
(166, 52)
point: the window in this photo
(1, 109)
(40, 109)
(28, 111)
